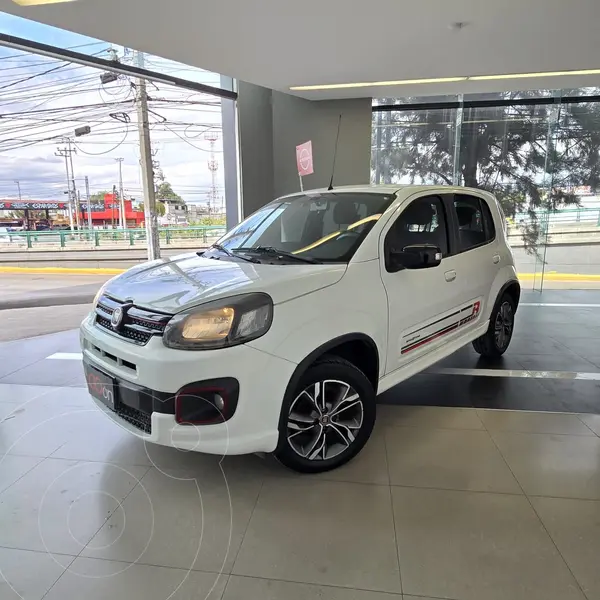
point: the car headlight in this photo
(102, 290)
(221, 323)
(98, 295)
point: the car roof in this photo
(389, 189)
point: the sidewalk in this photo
(48, 289)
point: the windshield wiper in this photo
(271, 250)
(232, 255)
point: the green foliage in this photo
(528, 156)
(99, 196)
(164, 191)
(213, 220)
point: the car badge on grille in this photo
(117, 317)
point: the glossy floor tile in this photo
(472, 546)
(189, 520)
(428, 416)
(533, 422)
(245, 588)
(447, 459)
(566, 466)
(574, 525)
(101, 579)
(59, 505)
(27, 575)
(332, 533)
(592, 421)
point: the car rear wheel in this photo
(496, 340)
(328, 417)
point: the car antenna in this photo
(337, 139)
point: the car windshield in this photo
(317, 227)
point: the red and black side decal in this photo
(440, 328)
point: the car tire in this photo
(496, 339)
(327, 418)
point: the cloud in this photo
(43, 107)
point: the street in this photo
(584, 260)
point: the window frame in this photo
(442, 197)
(455, 233)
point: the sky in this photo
(36, 105)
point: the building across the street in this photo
(41, 214)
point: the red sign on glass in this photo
(304, 158)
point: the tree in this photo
(164, 191)
(99, 196)
(528, 156)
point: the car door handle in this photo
(450, 275)
(496, 259)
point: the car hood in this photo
(181, 282)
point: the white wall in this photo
(271, 124)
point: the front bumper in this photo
(159, 372)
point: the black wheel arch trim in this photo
(508, 284)
(319, 352)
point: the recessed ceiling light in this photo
(527, 75)
(39, 2)
(339, 86)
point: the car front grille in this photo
(137, 325)
(136, 417)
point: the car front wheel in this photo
(328, 417)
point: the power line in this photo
(32, 77)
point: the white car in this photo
(7, 235)
(279, 337)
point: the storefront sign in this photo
(96, 206)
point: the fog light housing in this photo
(207, 402)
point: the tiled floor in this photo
(450, 499)
(455, 503)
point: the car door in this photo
(475, 246)
(424, 304)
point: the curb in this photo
(107, 271)
(565, 277)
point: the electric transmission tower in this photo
(213, 167)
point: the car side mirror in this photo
(422, 256)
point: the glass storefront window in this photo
(538, 152)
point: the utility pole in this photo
(114, 195)
(122, 218)
(64, 152)
(19, 188)
(79, 213)
(151, 219)
(72, 151)
(89, 205)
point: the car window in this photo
(325, 227)
(422, 222)
(475, 222)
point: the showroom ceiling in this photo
(283, 44)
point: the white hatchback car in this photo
(279, 337)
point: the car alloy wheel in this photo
(503, 326)
(324, 420)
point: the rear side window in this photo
(475, 222)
